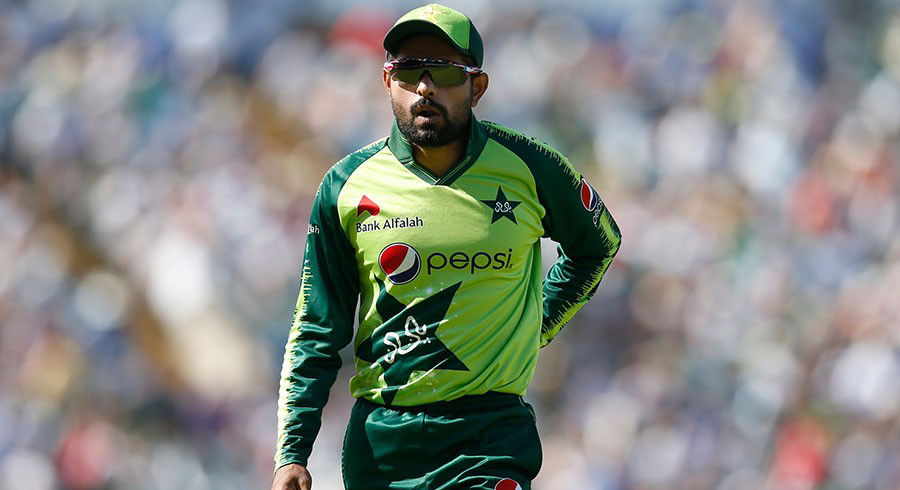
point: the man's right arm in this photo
(321, 327)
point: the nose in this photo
(425, 87)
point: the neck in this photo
(439, 159)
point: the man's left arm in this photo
(588, 239)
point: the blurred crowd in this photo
(158, 160)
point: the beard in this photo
(431, 134)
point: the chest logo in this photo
(501, 206)
(366, 204)
(400, 262)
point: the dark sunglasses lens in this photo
(445, 76)
(408, 75)
(442, 76)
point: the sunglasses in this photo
(443, 73)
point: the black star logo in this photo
(406, 342)
(503, 207)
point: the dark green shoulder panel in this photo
(342, 170)
(551, 170)
(539, 156)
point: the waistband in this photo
(491, 399)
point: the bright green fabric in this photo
(466, 310)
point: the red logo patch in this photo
(366, 204)
(507, 484)
(589, 197)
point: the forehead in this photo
(426, 46)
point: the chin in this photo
(429, 136)
(428, 128)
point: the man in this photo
(435, 231)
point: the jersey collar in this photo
(402, 150)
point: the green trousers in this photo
(475, 442)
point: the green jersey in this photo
(446, 272)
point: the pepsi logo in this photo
(507, 484)
(589, 197)
(400, 263)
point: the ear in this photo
(386, 76)
(479, 87)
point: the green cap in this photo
(442, 21)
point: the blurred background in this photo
(158, 160)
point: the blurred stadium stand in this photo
(158, 160)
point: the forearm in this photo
(570, 283)
(574, 278)
(309, 370)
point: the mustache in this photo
(422, 103)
